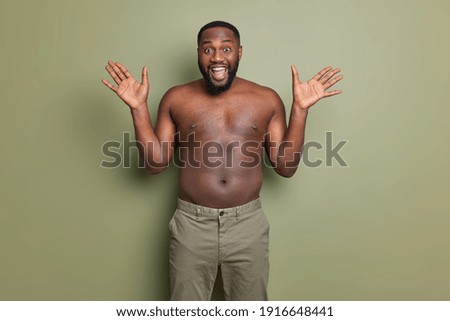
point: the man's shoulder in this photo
(178, 93)
(263, 92)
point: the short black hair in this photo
(219, 23)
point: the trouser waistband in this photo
(214, 213)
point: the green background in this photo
(375, 230)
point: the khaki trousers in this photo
(202, 239)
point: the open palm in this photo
(134, 94)
(308, 93)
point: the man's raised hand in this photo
(134, 94)
(306, 94)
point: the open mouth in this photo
(218, 73)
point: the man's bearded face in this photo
(218, 58)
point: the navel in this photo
(222, 181)
(193, 125)
(254, 127)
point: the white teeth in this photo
(218, 73)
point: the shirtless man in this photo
(221, 124)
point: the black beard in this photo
(213, 89)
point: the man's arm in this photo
(284, 144)
(155, 145)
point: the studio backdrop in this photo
(365, 217)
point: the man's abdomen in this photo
(220, 187)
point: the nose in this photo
(217, 56)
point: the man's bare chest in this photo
(222, 121)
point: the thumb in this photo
(144, 76)
(295, 76)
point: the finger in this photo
(117, 70)
(331, 82)
(124, 70)
(144, 76)
(332, 93)
(113, 74)
(329, 75)
(111, 64)
(295, 76)
(113, 88)
(322, 72)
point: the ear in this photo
(240, 52)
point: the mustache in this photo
(218, 65)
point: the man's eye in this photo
(226, 49)
(208, 50)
